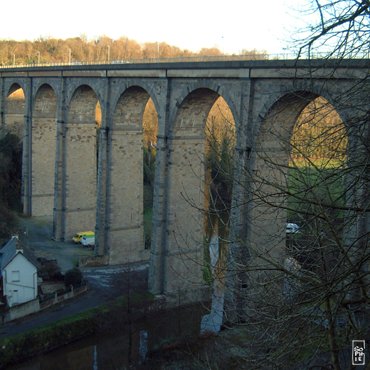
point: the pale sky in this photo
(230, 25)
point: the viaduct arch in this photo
(265, 98)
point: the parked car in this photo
(88, 241)
(291, 228)
(77, 238)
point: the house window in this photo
(15, 276)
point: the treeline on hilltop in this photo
(100, 50)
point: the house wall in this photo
(20, 281)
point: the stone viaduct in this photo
(88, 178)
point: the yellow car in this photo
(78, 237)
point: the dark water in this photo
(125, 347)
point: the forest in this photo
(100, 50)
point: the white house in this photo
(18, 274)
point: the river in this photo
(134, 345)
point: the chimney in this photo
(18, 246)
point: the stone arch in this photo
(80, 162)
(305, 92)
(15, 110)
(155, 90)
(54, 84)
(44, 123)
(228, 93)
(271, 157)
(187, 199)
(270, 174)
(76, 87)
(125, 220)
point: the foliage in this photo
(73, 277)
(305, 296)
(318, 133)
(8, 223)
(220, 144)
(313, 187)
(43, 339)
(49, 269)
(10, 183)
(150, 125)
(148, 212)
(220, 165)
(10, 171)
(149, 154)
(17, 348)
(101, 50)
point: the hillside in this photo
(101, 50)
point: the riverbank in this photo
(19, 347)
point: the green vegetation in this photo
(319, 136)
(220, 144)
(101, 50)
(311, 190)
(148, 213)
(149, 171)
(73, 277)
(206, 268)
(10, 183)
(220, 167)
(149, 154)
(17, 348)
(317, 163)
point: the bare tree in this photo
(302, 297)
(342, 29)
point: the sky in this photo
(230, 25)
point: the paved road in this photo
(36, 235)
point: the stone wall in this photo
(126, 232)
(80, 178)
(43, 153)
(22, 310)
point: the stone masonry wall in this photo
(126, 231)
(80, 178)
(43, 152)
(43, 166)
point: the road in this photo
(36, 235)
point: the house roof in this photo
(9, 251)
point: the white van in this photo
(88, 241)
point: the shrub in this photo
(49, 269)
(73, 277)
